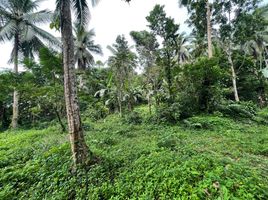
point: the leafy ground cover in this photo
(204, 157)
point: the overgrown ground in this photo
(207, 157)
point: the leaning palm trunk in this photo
(78, 144)
(209, 30)
(15, 114)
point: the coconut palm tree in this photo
(122, 63)
(63, 15)
(84, 47)
(188, 5)
(183, 48)
(258, 45)
(18, 24)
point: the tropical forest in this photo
(173, 107)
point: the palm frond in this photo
(24, 6)
(5, 5)
(5, 14)
(110, 48)
(42, 16)
(81, 10)
(31, 47)
(95, 48)
(94, 2)
(45, 36)
(8, 30)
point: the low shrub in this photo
(169, 142)
(263, 114)
(167, 114)
(96, 112)
(132, 118)
(207, 122)
(238, 109)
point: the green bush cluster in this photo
(166, 114)
(96, 112)
(208, 122)
(133, 118)
(239, 109)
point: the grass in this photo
(205, 157)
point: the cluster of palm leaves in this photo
(257, 47)
(19, 23)
(84, 46)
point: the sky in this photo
(111, 18)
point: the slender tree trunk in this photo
(79, 148)
(233, 77)
(15, 115)
(149, 104)
(63, 129)
(120, 103)
(230, 60)
(209, 30)
(130, 105)
(169, 79)
(265, 60)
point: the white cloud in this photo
(111, 18)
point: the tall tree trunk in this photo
(169, 79)
(149, 104)
(15, 114)
(209, 30)
(233, 76)
(230, 60)
(120, 103)
(265, 60)
(79, 148)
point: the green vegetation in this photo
(175, 116)
(205, 157)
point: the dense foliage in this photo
(175, 116)
(206, 157)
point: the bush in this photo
(188, 105)
(169, 142)
(167, 114)
(96, 112)
(207, 122)
(238, 109)
(132, 118)
(263, 114)
(203, 86)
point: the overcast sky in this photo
(111, 18)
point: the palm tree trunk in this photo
(209, 30)
(79, 148)
(15, 115)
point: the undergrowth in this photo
(204, 157)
